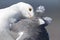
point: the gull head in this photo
(26, 9)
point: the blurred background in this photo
(52, 10)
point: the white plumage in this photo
(16, 12)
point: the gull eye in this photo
(30, 9)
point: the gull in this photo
(13, 14)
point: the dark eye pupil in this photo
(30, 9)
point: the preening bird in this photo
(13, 14)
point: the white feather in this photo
(20, 35)
(41, 21)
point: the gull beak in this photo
(31, 16)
